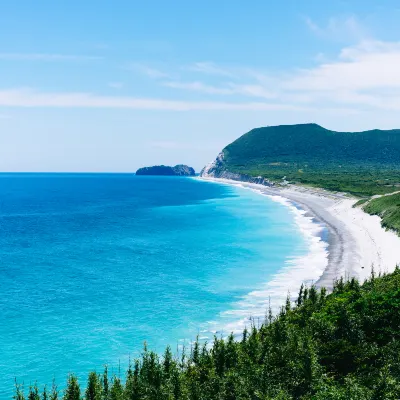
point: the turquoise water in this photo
(91, 266)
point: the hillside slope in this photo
(388, 208)
(362, 163)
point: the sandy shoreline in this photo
(356, 240)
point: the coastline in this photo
(356, 241)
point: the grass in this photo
(388, 208)
(358, 182)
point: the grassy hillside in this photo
(388, 208)
(361, 163)
(344, 346)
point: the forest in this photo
(338, 346)
(361, 163)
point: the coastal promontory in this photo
(164, 170)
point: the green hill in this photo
(342, 346)
(361, 163)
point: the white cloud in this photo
(46, 57)
(230, 88)
(367, 74)
(363, 75)
(31, 98)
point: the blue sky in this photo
(113, 86)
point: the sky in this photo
(103, 86)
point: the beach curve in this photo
(357, 243)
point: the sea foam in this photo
(304, 269)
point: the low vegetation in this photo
(357, 182)
(388, 208)
(341, 346)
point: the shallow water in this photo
(92, 265)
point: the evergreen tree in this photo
(313, 295)
(34, 393)
(117, 390)
(339, 346)
(288, 304)
(305, 294)
(218, 352)
(168, 361)
(94, 390)
(44, 394)
(54, 392)
(195, 352)
(73, 391)
(300, 297)
(105, 383)
(231, 357)
(132, 385)
(322, 295)
(19, 392)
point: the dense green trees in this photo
(361, 163)
(341, 346)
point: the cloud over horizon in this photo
(360, 76)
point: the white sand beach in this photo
(356, 241)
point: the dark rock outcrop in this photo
(217, 169)
(164, 170)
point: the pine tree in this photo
(44, 394)
(19, 391)
(322, 295)
(34, 393)
(305, 294)
(73, 391)
(339, 285)
(195, 352)
(94, 389)
(244, 337)
(288, 304)
(105, 383)
(132, 384)
(340, 346)
(300, 297)
(313, 295)
(117, 391)
(54, 391)
(231, 357)
(372, 273)
(167, 363)
(219, 355)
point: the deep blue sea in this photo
(93, 265)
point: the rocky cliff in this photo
(164, 170)
(218, 169)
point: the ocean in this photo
(94, 265)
